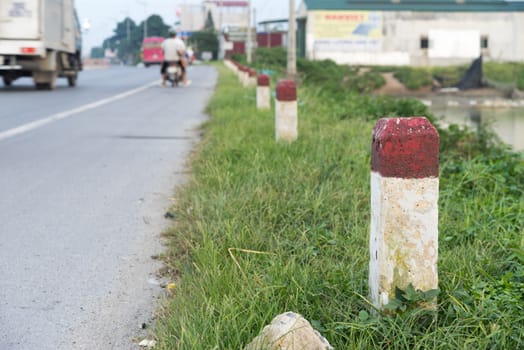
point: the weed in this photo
(263, 228)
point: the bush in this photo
(270, 57)
(505, 73)
(500, 72)
(205, 40)
(449, 76)
(519, 74)
(338, 79)
(239, 57)
(382, 69)
(414, 78)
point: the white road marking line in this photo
(62, 115)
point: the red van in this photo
(152, 50)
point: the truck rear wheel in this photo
(71, 80)
(46, 86)
(7, 80)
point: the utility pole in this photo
(129, 54)
(291, 46)
(255, 39)
(248, 44)
(220, 16)
(220, 31)
(143, 2)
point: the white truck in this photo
(39, 39)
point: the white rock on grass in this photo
(147, 344)
(289, 331)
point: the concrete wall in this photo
(402, 33)
(193, 16)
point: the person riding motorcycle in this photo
(174, 51)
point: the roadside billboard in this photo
(352, 31)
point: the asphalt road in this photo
(86, 175)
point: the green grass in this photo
(346, 78)
(505, 73)
(263, 228)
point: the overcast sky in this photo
(103, 14)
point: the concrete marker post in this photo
(286, 111)
(404, 207)
(237, 69)
(229, 64)
(251, 77)
(242, 75)
(263, 92)
(246, 77)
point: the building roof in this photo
(417, 5)
(226, 3)
(274, 21)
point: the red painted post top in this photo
(405, 148)
(252, 73)
(263, 80)
(286, 90)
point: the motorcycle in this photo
(174, 73)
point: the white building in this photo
(418, 33)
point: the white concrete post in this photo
(237, 69)
(286, 111)
(263, 92)
(229, 64)
(404, 207)
(243, 75)
(251, 77)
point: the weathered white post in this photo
(244, 77)
(286, 111)
(404, 211)
(229, 64)
(237, 69)
(240, 72)
(263, 92)
(251, 77)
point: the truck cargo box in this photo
(48, 24)
(41, 39)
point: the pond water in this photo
(507, 123)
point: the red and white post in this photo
(251, 79)
(263, 92)
(404, 207)
(229, 64)
(286, 111)
(242, 74)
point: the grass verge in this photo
(263, 228)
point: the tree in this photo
(209, 24)
(97, 52)
(126, 40)
(155, 26)
(205, 40)
(128, 36)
